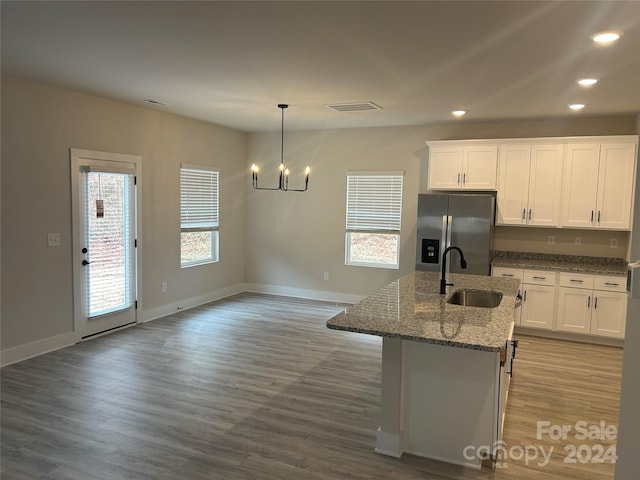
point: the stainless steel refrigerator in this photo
(464, 221)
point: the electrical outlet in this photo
(325, 275)
(53, 240)
(551, 239)
(613, 243)
(578, 241)
(164, 287)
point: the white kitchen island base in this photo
(440, 402)
(444, 365)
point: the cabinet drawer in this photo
(507, 272)
(576, 280)
(609, 283)
(539, 277)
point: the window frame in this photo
(202, 220)
(368, 218)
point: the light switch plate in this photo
(53, 240)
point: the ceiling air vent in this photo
(354, 107)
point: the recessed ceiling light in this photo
(576, 106)
(605, 37)
(458, 113)
(587, 82)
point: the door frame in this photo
(79, 158)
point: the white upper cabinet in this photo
(615, 186)
(479, 167)
(445, 168)
(598, 186)
(530, 185)
(463, 167)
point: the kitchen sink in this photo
(475, 298)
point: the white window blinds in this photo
(198, 198)
(374, 202)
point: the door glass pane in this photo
(108, 242)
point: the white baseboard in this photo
(322, 295)
(168, 309)
(33, 349)
(389, 443)
(572, 337)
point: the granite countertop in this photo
(568, 263)
(411, 309)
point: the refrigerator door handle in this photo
(449, 228)
(445, 229)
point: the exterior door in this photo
(105, 244)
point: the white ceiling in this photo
(231, 63)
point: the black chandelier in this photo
(283, 182)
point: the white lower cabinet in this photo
(592, 304)
(516, 273)
(538, 299)
(574, 310)
(609, 314)
(587, 304)
(538, 295)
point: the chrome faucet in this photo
(463, 264)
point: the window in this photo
(198, 215)
(374, 211)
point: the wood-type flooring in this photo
(256, 387)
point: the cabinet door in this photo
(545, 185)
(480, 167)
(609, 314)
(574, 309)
(445, 168)
(615, 186)
(580, 183)
(513, 184)
(538, 306)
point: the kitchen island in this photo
(445, 367)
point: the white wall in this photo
(293, 238)
(628, 445)
(274, 241)
(39, 125)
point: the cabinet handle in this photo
(589, 301)
(524, 213)
(611, 284)
(458, 179)
(591, 216)
(507, 275)
(576, 281)
(525, 296)
(595, 303)
(464, 178)
(539, 278)
(598, 216)
(529, 214)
